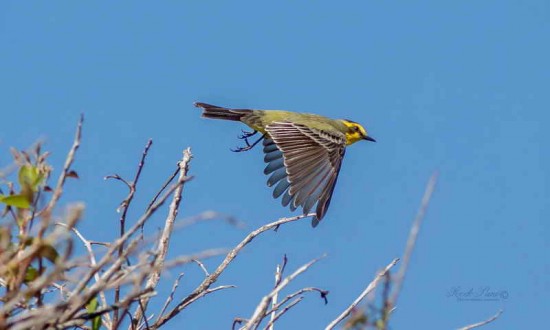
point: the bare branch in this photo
(163, 187)
(166, 233)
(281, 313)
(125, 205)
(171, 296)
(93, 262)
(479, 324)
(13, 166)
(46, 278)
(278, 276)
(370, 287)
(208, 216)
(221, 287)
(323, 293)
(39, 318)
(34, 303)
(108, 257)
(185, 259)
(121, 179)
(261, 309)
(201, 265)
(58, 191)
(199, 292)
(400, 276)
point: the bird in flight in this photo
(303, 152)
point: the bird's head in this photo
(355, 132)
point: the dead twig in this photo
(482, 323)
(411, 241)
(125, 205)
(323, 293)
(281, 313)
(261, 309)
(108, 257)
(58, 191)
(93, 262)
(171, 296)
(162, 188)
(209, 216)
(208, 281)
(166, 233)
(278, 276)
(201, 265)
(370, 287)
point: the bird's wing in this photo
(304, 164)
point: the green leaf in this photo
(31, 274)
(96, 323)
(19, 201)
(91, 307)
(30, 177)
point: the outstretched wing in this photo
(304, 164)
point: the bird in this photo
(303, 152)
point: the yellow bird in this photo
(303, 151)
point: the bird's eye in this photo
(356, 128)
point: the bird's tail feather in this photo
(215, 112)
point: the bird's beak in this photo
(368, 138)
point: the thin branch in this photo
(209, 216)
(221, 287)
(387, 307)
(114, 246)
(185, 259)
(202, 266)
(370, 287)
(411, 242)
(124, 302)
(274, 319)
(14, 165)
(125, 206)
(42, 281)
(261, 309)
(93, 262)
(121, 179)
(207, 282)
(58, 191)
(163, 187)
(207, 292)
(76, 293)
(278, 276)
(164, 242)
(111, 278)
(171, 296)
(323, 294)
(479, 324)
(61, 265)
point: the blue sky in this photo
(460, 87)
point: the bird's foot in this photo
(248, 145)
(241, 149)
(245, 135)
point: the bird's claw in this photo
(241, 149)
(248, 145)
(246, 134)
